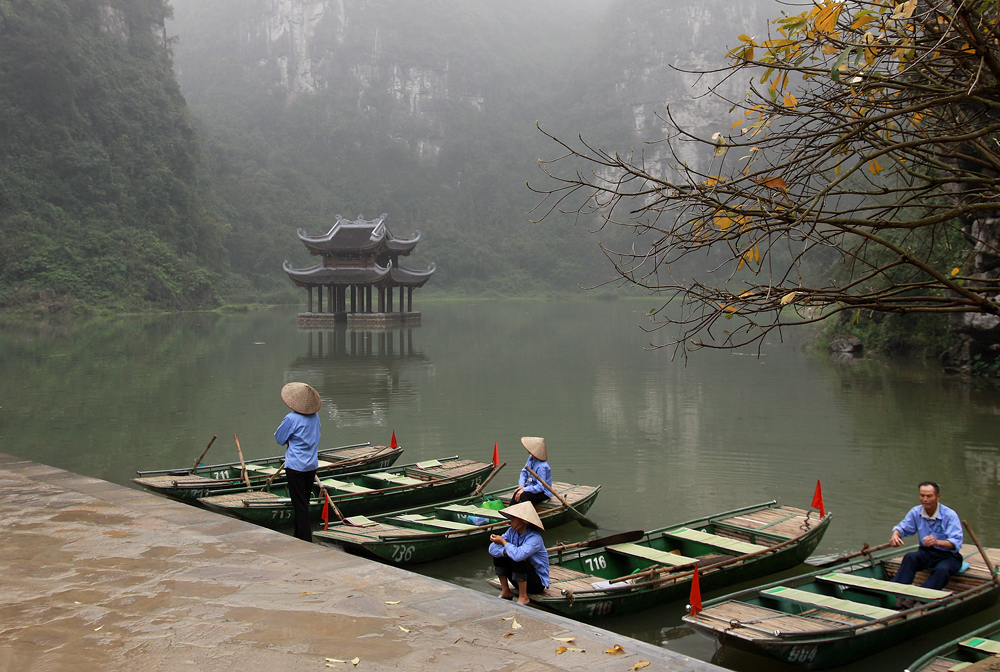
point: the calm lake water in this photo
(667, 441)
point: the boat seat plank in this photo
(884, 586)
(472, 510)
(435, 522)
(714, 540)
(395, 478)
(981, 644)
(344, 486)
(256, 468)
(835, 603)
(647, 553)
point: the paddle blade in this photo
(325, 516)
(695, 598)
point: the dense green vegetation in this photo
(98, 196)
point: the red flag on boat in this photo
(393, 444)
(496, 455)
(325, 516)
(818, 500)
(695, 598)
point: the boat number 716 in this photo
(595, 563)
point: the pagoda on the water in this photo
(360, 273)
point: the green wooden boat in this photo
(963, 652)
(834, 616)
(360, 492)
(189, 485)
(729, 547)
(442, 530)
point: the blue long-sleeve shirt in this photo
(529, 482)
(527, 545)
(301, 433)
(943, 525)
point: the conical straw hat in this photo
(301, 398)
(536, 446)
(524, 511)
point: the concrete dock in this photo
(99, 577)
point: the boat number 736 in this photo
(401, 553)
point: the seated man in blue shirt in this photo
(940, 534)
(519, 555)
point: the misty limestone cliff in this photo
(420, 59)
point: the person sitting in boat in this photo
(519, 555)
(529, 489)
(940, 532)
(299, 432)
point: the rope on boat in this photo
(806, 526)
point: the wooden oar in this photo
(982, 551)
(329, 501)
(203, 454)
(586, 522)
(243, 465)
(620, 538)
(270, 479)
(827, 561)
(482, 486)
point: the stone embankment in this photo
(100, 577)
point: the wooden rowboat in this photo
(727, 548)
(188, 485)
(832, 617)
(442, 530)
(360, 492)
(962, 653)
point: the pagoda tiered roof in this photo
(361, 235)
(358, 275)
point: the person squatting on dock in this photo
(940, 532)
(299, 432)
(528, 487)
(519, 555)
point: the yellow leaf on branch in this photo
(788, 298)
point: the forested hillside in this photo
(98, 160)
(117, 191)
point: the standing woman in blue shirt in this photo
(529, 489)
(519, 555)
(299, 433)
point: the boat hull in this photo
(275, 510)
(219, 478)
(597, 604)
(824, 647)
(400, 546)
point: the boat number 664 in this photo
(801, 654)
(401, 553)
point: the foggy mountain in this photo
(301, 110)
